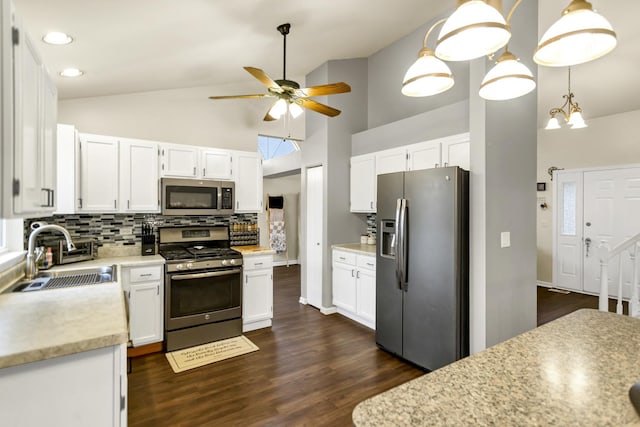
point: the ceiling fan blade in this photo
(260, 95)
(263, 77)
(317, 107)
(328, 89)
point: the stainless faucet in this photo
(32, 264)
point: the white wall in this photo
(183, 116)
(610, 140)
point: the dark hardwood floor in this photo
(311, 370)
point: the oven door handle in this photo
(205, 275)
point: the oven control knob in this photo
(225, 262)
(179, 267)
(189, 266)
(233, 261)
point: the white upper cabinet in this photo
(179, 161)
(68, 161)
(32, 174)
(456, 151)
(98, 173)
(139, 176)
(394, 160)
(424, 156)
(248, 179)
(216, 164)
(363, 183)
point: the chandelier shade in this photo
(579, 36)
(473, 30)
(508, 79)
(427, 76)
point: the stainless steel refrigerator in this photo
(422, 270)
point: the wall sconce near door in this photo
(579, 36)
(570, 111)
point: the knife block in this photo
(149, 244)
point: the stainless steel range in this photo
(203, 285)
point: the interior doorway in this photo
(594, 206)
(314, 232)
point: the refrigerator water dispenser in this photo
(388, 244)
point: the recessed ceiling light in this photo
(71, 72)
(57, 37)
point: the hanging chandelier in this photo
(570, 111)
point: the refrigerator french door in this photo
(422, 266)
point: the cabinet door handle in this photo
(358, 274)
(53, 198)
(80, 203)
(370, 264)
(258, 263)
(158, 290)
(128, 204)
(446, 164)
(352, 272)
(237, 204)
(114, 204)
(436, 165)
(194, 171)
(145, 275)
(204, 171)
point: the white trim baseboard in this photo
(545, 284)
(329, 310)
(303, 301)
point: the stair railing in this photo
(631, 245)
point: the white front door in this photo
(314, 235)
(611, 215)
(592, 207)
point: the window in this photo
(272, 146)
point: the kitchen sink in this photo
(67, 278)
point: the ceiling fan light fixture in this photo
(580, 35)
(295, 110)
(508, 79)
(427, 76)
(278, 109)
(473, 30)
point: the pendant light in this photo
(474, 29)
(572, 115)
(509, 78)
(579, 36)
(428, 75)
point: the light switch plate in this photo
(505, 239)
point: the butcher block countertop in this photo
(254, 250)
(576, 370)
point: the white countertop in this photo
(50, 323)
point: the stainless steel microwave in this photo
(197, 197)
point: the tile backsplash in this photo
(371, 224)
(122, 229)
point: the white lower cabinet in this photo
(354, 286)
(144, 289)
(81, 389)
(257, 292)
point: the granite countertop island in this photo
(576, 370)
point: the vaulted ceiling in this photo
(135, 46)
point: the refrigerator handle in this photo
(402, 244)
(396, 242)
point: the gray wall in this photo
(386, 104)
(328, 143)
(503, 165)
